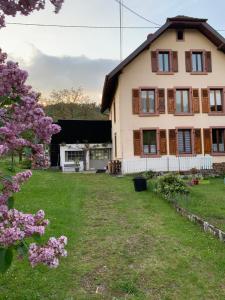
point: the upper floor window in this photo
(216, 100)
(182, 101)
(149, 142)
(148, 104)
(164, 61)
(197, 62)
(184, 141)
(218, 140)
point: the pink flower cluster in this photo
(48, 254)
(24, 124)
(25, 7)
(12, 185)
(16, 226)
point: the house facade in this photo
(166, 100)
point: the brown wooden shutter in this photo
(137, 142)
(205, 100)
(171, 101)
(197, 141)
(195, 101)
(154, 60)
(174, 61)
(172, 142)
(208, 61)
(162, 142)
(136, 101)
(161, 101)
(207, 140)
(188, 61)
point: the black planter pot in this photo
(140, 184)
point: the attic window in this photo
(180, 35)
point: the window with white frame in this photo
(74, 155)
(100, 154)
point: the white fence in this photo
(166, 164)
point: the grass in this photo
(122, 244)
(208, 201)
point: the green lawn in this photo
(208, 201)
(127, 245)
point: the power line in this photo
(137, 14)
(121, 29)
(87, 26)
(81, 26)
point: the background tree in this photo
(72, 104)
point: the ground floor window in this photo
(100, 154)
(149, 142)
(184, 141)
(74, 155)
(218, 140)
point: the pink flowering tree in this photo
(23, 126)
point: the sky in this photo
(58, 58)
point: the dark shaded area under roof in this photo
(83, 131)
(178, 22)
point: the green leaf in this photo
(10, 203)
(6, 256)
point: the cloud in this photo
(47, 73)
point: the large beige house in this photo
(166, 100)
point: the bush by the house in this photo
(170, 186)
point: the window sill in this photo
(164, 73)
(218, 153)
(186, 155)
(198, 73)
(148, 114)
(216, 114)
(183, 114)
(150, 155)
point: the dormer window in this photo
(180, 35)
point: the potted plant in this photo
(77, 165)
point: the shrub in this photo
(170, 186)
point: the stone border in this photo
(203, 224)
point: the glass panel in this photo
(180, 141)
(194, 64)
(161, 62)
(144, 101)
(152, 101)
(218, 100)
(185, 102)
(187, 137)
(166, 62)
(149, 142)
(199, 62)
(221, 140)
(178, 101)
(212, 101)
